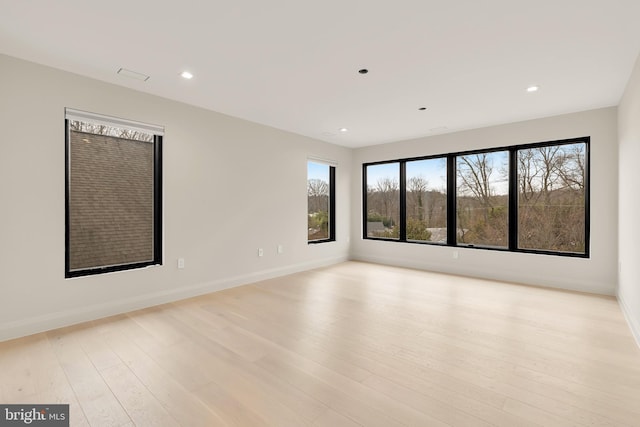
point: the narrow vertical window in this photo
(426, 193)
(383, 200)
(482, 185)
(551, 198)
(320, 202)
(113, 194)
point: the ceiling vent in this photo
(133, 75)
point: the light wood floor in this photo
(348, 345)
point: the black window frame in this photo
(512, 237)
(332, 204)
(157, 212)
(454, 220)
(402, 201)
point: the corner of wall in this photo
(634, 324)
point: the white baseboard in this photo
(50, 321)
(503, 276)
(634, 323)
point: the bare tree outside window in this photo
(319, 202)
(483, 199)
(383, 200)
(101, 129)
(551, 198)
(427, 200)
(521, 198)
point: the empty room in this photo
(285, 213)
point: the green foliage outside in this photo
(417, 230)
(319, 220)
(318, 225)
(389, 233)
(375, 217)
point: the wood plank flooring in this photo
(353, 344)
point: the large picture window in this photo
(320, 202)
(113, 194)
(525, 198)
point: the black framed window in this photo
(524, 198)
(482, 199)
(426, 200)
(321, 202)
(113, 194)
(382, 195)
(552, 198)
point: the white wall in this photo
(230, 186)
(597, 274)
(629, 140)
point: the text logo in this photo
(34, 415)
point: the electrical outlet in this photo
(455, 254)
(180, 263)
(260, 252)
(280, 249)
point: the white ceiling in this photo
(293, 64)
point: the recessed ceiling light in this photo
(533, 88)
(363, 71)
(186, 75)
(344, 130)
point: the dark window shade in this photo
(111, 201)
